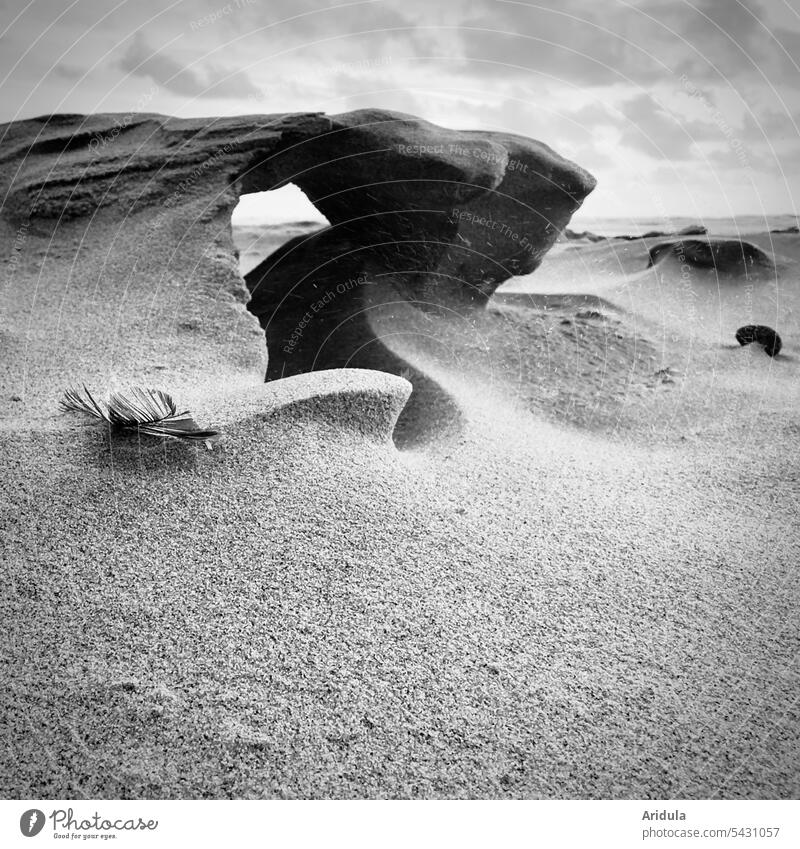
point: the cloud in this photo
(338, 32)
(600, 83)
(590, 157)
(567, 42)
(728, 159)
(68, 72)
(723, 31)
(213, 81)
(655, 131)
(771, 126)
(787, 51)
(730, 41)
(588, 44)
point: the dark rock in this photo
(690, 230)
(418, 213)
(665, 375)
(587, 234)
(446, 219)
(792, 229)
(761, 334)
(721, 254)
(126, 685)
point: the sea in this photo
(256, 239)
(738, 226)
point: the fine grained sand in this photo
(587, 588)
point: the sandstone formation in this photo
(724, 255)
(418, 213)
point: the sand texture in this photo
(534, 541)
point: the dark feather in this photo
(141, 409)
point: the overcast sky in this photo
(678, 108)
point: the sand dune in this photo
(589, 583)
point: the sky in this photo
(679, 108)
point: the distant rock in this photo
(665, 375)
(587, 234)
(690, 230)
(793, 229)
(761, 334)
(721, 254)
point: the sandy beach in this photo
(581, 584)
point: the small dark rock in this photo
(127, 685)
(726, 255)
(586, 234)
(762, 334)
(690, 230)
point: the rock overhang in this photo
(437, 216)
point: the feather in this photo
(140, 409)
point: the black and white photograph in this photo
(400, 402)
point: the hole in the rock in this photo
(261, 224)
(263, 221)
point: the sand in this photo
(584, 588)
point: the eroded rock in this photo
(438, 217)
(763, 335)
(433, 216)
(725, 255)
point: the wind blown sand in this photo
(589, 589)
